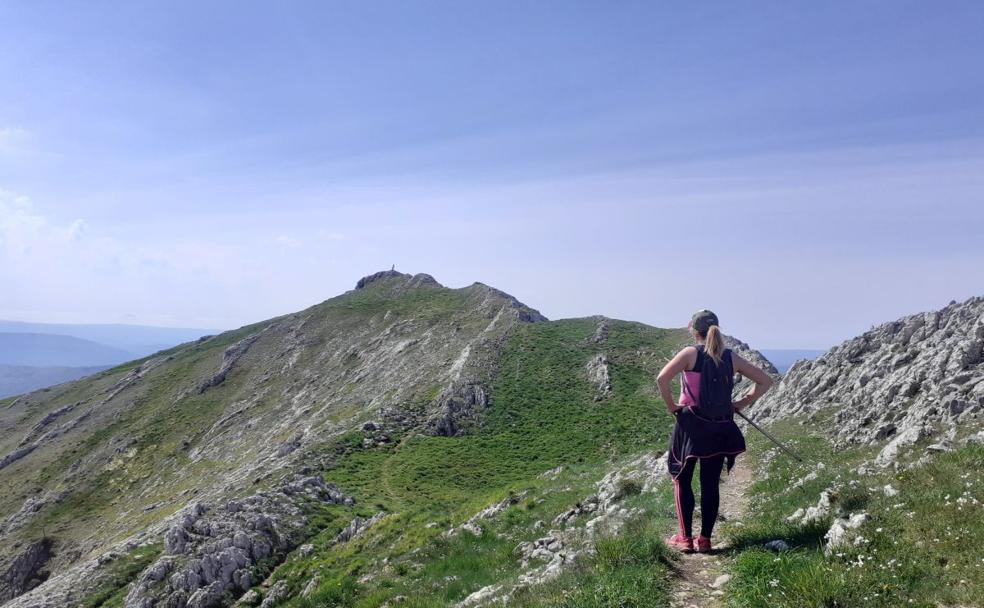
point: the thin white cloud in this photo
(824, 234)
(329, 235)
(14, 140)
(290, 242)
(77, 229)
(76, 271)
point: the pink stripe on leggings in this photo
(679, 508)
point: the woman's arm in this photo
(679, 363)
(761, 379)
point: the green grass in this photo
(923, 547)
(118, 575)
(421, 304)
(542, 415)
(632, 569)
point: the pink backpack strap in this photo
(687, 389)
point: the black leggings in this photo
(710, 496)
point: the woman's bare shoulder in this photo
(690, 355)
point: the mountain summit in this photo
(227, 467)
(110, 457)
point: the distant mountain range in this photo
(19, 379)
(138, 340)
(44, 350)
(36, 355)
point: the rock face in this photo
(840, 531)
(814, 513)
(494, 510)
(26, 571)
(229, 358)
(211, 552)
(379, 276)
(600, 335)
(277, 594)
(457, 407)
(898, 383)
(599, 375)
(356, 527)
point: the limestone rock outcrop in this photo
(210, 552)
(897, 384)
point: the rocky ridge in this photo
(900, 383)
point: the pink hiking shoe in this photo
(703, 544)
(684, 544)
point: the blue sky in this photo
(805, 169)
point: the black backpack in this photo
(717, 381)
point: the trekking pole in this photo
(771, 438)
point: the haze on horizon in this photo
(806, 170)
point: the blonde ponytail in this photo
(714, 344)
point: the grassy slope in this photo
(156, 418)
(156, 421)
(543, 415)
(923, 547)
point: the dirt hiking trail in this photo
(701, 575)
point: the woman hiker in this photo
(705, 429)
